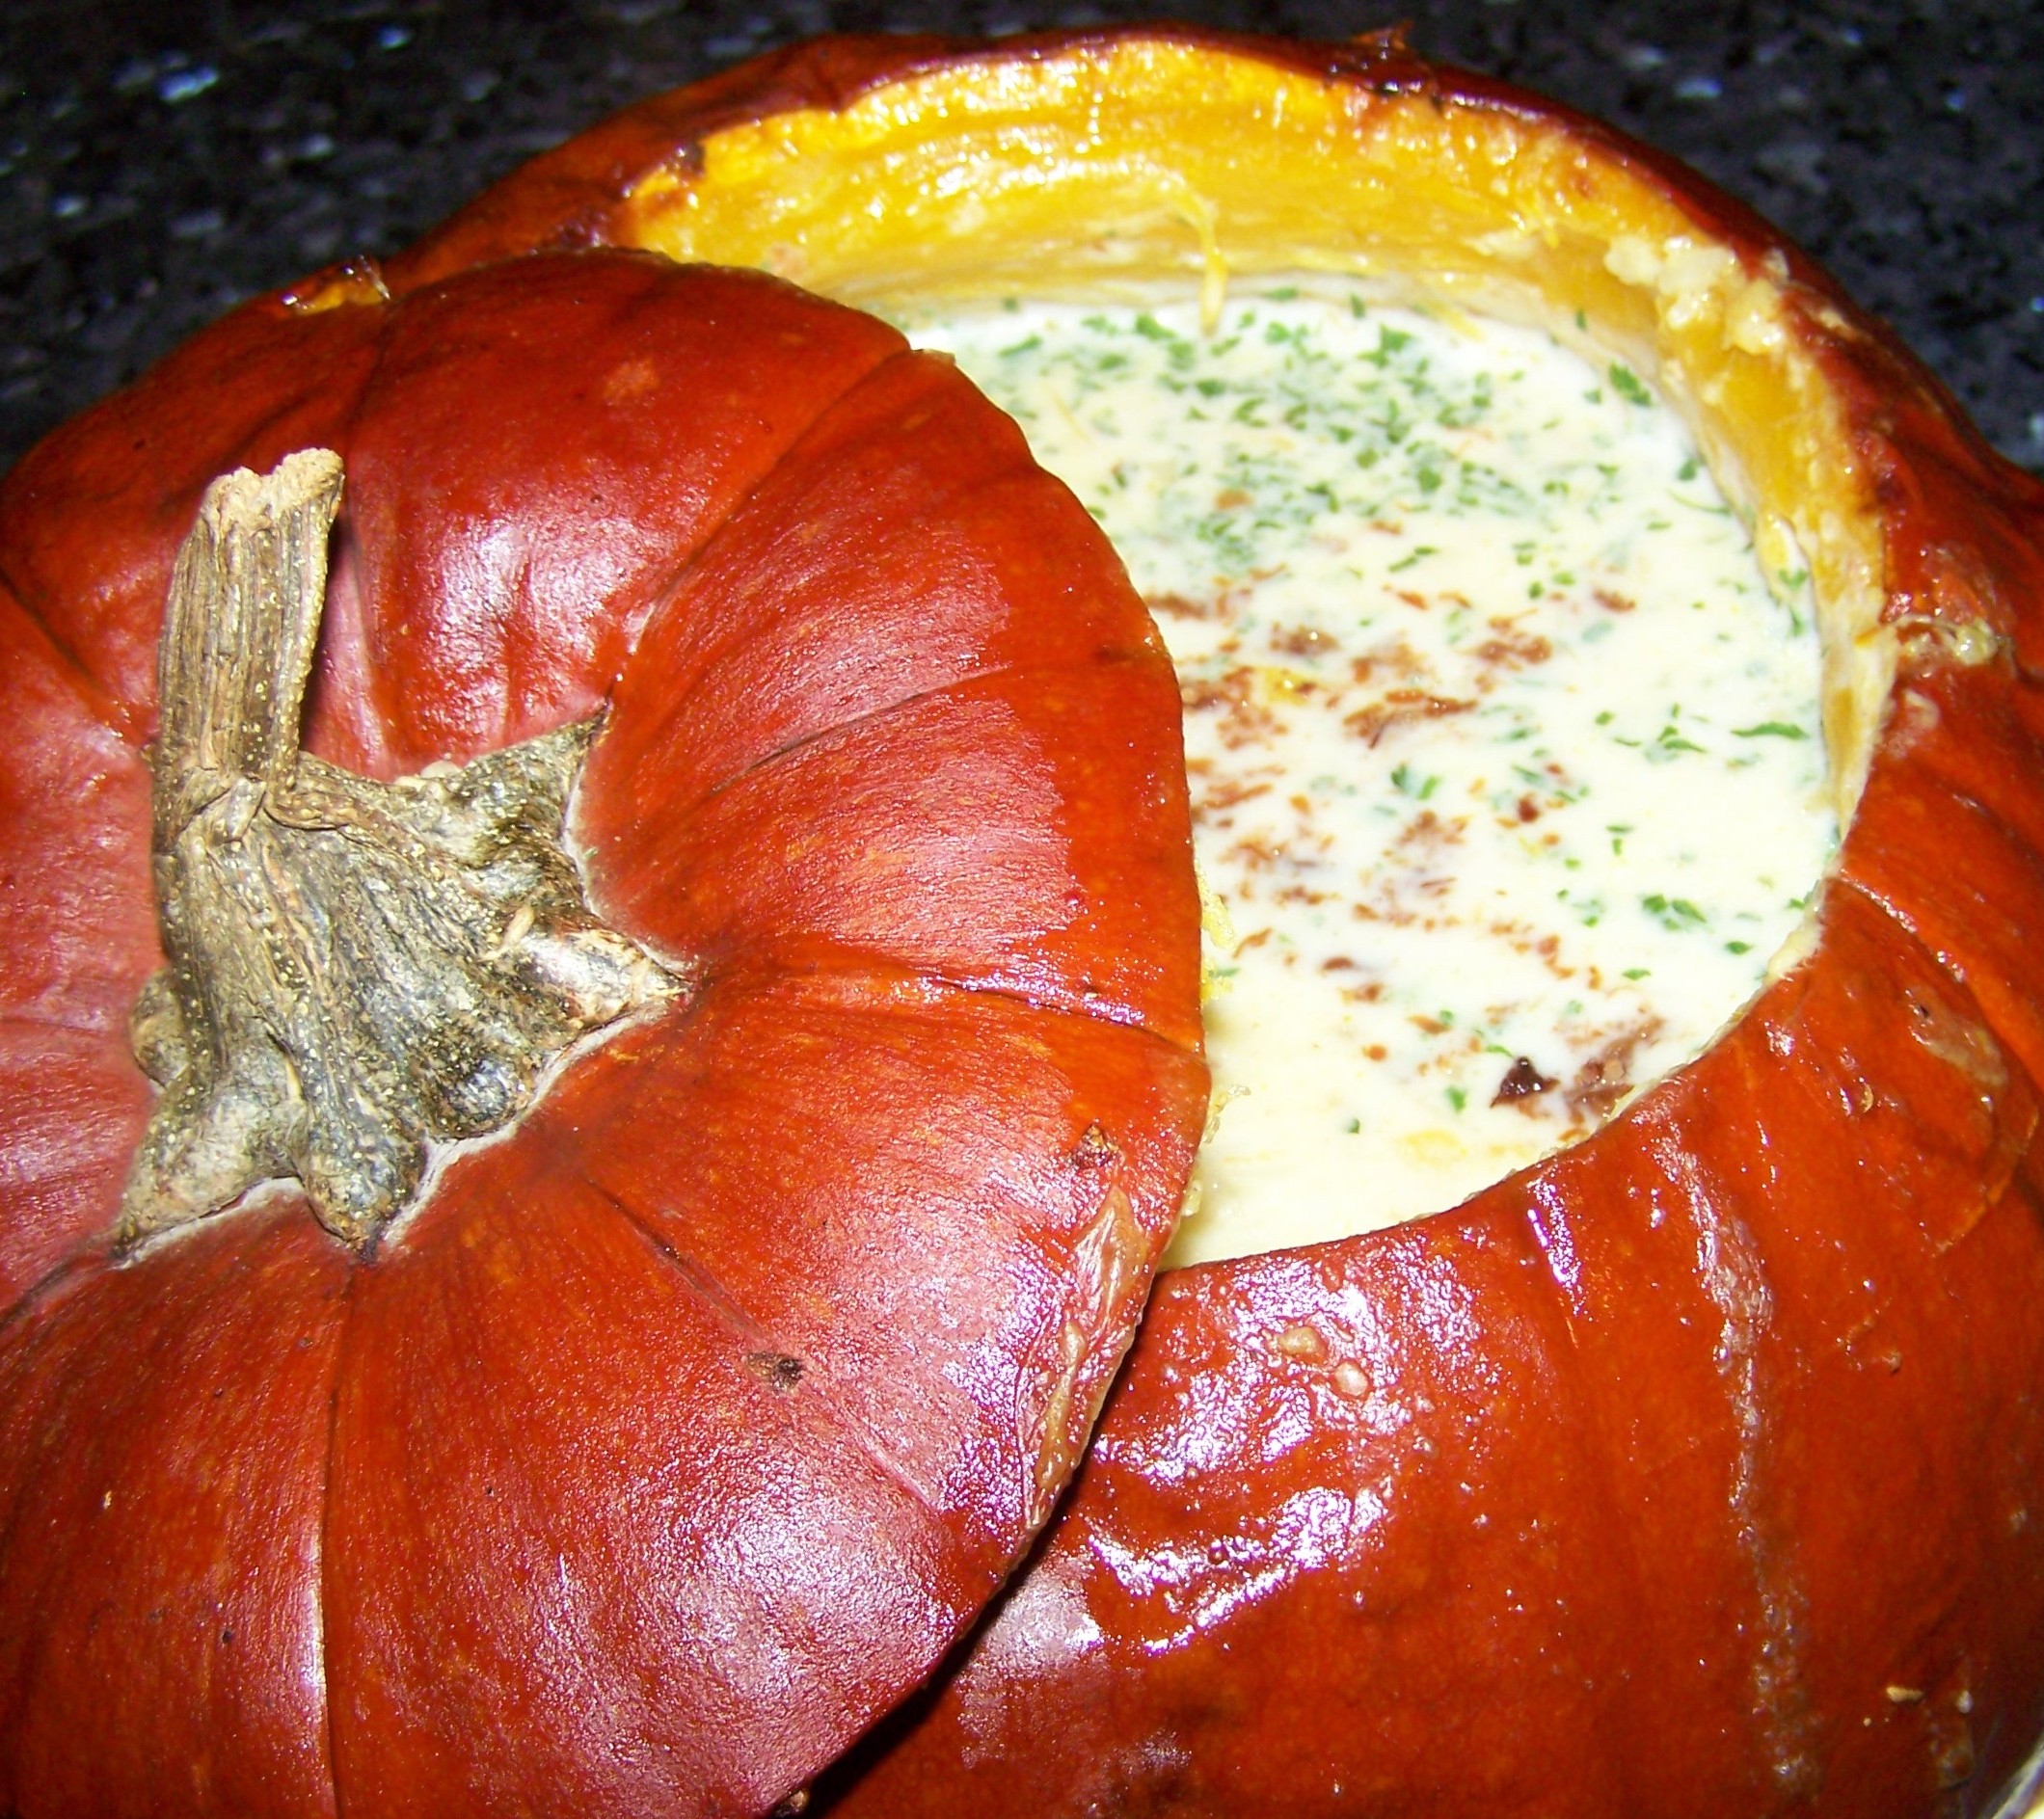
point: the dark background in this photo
(160, 159)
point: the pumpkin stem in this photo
(356, 967)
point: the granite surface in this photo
(160, 159)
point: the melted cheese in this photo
(1506, 770)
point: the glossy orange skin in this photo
(1697, 1471)
(679, 1431)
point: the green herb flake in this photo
(1769, 730)
(1627, 385)
(1673, 912)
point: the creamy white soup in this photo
(1505, 765)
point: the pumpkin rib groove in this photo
(33, 1017)
(70, 1112)
(35, 1302)
(703, 890)
(128, 730)
(341, 554)
(802, 459)
(159, 517)
(26, 1305)
(851, 965)
(342, 1346)
(1603, 1449)
(119, 1382)
(1080, 1013)
(1978, 918)
(703, 1286)
(1730, 1281)
(965, 680)
(663, 597)
(1950, 969)
(988, 1196)
(1893, 1240)
(91, 693)
(633, 296)
(1072, 666)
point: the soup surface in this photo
(1504, 754)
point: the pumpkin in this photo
(679, 1045)
(1698, 1470)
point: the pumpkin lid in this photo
(657, 1440)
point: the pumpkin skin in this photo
(1696, 1470)
(681, 1429)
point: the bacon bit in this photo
(1412, 598)
(1377, 1050)
(1340, 963)
(1428, 829)
(1399, 706)
(1244, 719)
(1432, 1026)
(1513, 649)
(1256, 853)
(1302, 641)
(1606, 1077)
(1401, 659)
(1528, 809)
(1523, 1080)
(1299, 893)
(1256, 940)
(1612, 602)
(1368, 994)
(1231, 791)
(1230, 500)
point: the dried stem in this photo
(357, 969)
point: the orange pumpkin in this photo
(1699, 1469)
(673, 1431)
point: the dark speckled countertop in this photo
(160, 159)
